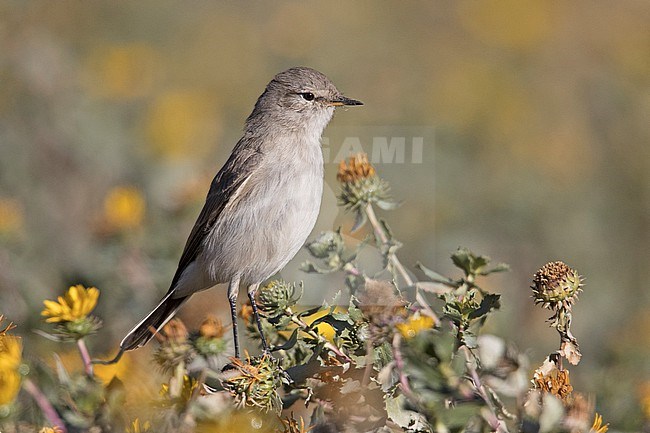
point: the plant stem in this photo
(85, 357)
(382, 236)
(44, 404)
(399, 365)
(494, 420)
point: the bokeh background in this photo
(535, 117)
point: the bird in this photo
(262, 204)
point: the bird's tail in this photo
(152, 323)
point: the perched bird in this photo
(262, 204)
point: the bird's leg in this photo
(252, 289)
(233, 291)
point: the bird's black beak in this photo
(339, 101)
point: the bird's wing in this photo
(225, 187)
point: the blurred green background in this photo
(535, 117)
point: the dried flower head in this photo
(175, 348)
(255, 383)
(212, 327)
(360, 185)
(209, 341)
(276, 298)
(549, 378)
(357, 168)
(77, 303)
(556, 285)
(246, 312)
(174, 331)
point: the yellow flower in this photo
(77, 303)
(291, 425)
(182, 124)
(598, 426)
(10, 356)
(11, 216)
(136, 427)
(10, 352)
(124, 208)
(414, 325)
(7, 328)
(644, 398)
(121, 72)
(170, 390)
(50, 430)
(121, 370)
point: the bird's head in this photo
(299, 98)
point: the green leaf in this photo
(310, 311)
(310, 268)
(388, 204)
(490, 302)
(468, 262)
(360, 220)
(293, 339)
(434, 276)
(404, 418)
(501, 267)
(355, 314)
(338, 325)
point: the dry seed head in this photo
(256, 382)
(174, 331)
(556, 285)
(212, 327)
(357, 168)
(549, 378)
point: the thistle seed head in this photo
(556, 285)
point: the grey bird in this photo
(262, 204)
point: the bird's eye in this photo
(307, 96)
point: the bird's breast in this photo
(272, 218)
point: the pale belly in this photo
(267, 227)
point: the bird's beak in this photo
(339, 101)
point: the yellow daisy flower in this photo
(50, 430)
(598, 426)
(124, 208)
(414, 325)
(137, 427)
(76, 304)
(10, 356)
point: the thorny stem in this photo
(494, 420)
(399, 364)
(369, 364)
(43, 403)
(176, 382)
(305, 328)
(382, 236)
(85, 357)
